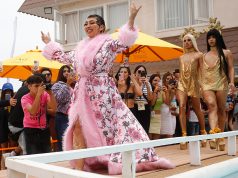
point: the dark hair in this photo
(61, 74)
(139, 66)
(176, 71)
(45, 69)
(152, 78)
(99, 20)
(34, 79)
(128, 80)
(4, 92)
(220, 45)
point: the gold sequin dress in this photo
(188, 81)
(212, 78)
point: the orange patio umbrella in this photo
(20, 67)
(149, 49)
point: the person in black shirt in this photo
(15, 120)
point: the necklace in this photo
(187, 67)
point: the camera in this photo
(143, 74)
(172, 82)
(47, 85)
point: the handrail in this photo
(129, 148)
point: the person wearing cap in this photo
(6, 100)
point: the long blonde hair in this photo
(195, 46)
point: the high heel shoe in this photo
(221, 144)
(203, 142)
(212, 143)
(184, 145)
(220, 141)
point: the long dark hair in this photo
(139, 66)
(4, 92)
(152, 78)
(220, 45)
(128, 80)
(61, 74)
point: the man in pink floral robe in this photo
(97, 106)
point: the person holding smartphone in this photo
(168, 107)
(142, 103)
(155, 119)
(128, 87)
(62, 90)
(6, 101)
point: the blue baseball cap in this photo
(7, 86)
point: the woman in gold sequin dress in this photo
(188, 84)
(217, 76)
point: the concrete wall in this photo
(227, 12)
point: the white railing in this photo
(36, 165)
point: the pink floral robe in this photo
(105, 119)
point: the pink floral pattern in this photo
(115, 124)
(114, 119)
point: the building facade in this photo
(165, 19)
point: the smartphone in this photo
(143, 74)
(36, 65)
(121, 76)
(7, 96)
(160, 83)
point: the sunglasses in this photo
(47, 74)
(140, 71)
(65, 71)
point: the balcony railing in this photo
(36, 165)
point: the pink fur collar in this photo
(86, 51)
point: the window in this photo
(72, 27)
(59, 27)
(117, 16)
(179, 13)
(69, 27)
(83, 16)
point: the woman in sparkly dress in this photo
(217, 76)
(188, 84)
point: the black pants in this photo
(143, 116)
(37, 140)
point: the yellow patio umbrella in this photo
(20, 67)
(149, 49)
